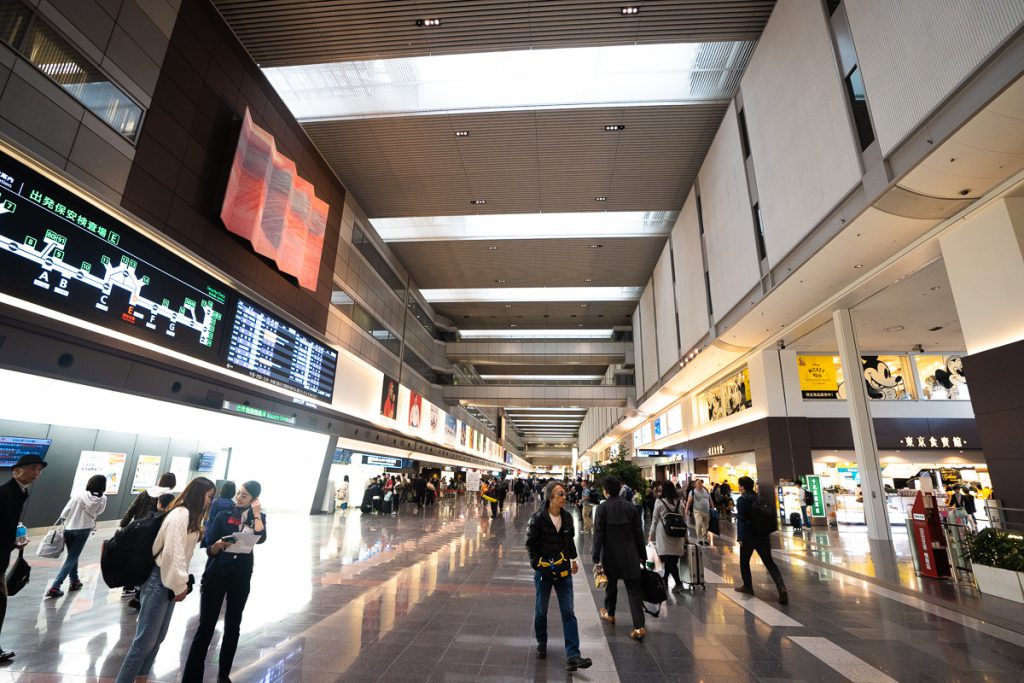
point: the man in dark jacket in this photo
(619, 550)
(755, 536)
(551, 545)
(13, 495)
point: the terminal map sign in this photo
(61, 252)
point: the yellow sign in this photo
(817, 377)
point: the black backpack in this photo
(674, 522)
(127, 558)
(762, 517)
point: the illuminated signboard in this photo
(12, 448)
(61, 252)
(271, 350)
(267, 203)
(648, 453)
(242, 409)
(387, 461)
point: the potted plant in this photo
(997, 559)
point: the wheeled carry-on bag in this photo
(796, 521)
(692, 569)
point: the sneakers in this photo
(75, 586)
(54, 592)
(574, 663)
(638, 634)
(610, 618)
(744, 589)
(783, 596)
(542, 650)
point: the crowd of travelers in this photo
(228, 523)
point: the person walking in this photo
(342, 494)
(169, 582)
(808, 507)
(699, 504)
(13, 495)
(223, 501)
(550, 539)
(227, 577)
(144, 505)
(669, 548)
(502, 493)
(618, 551)
(753, 530)
(79, 517)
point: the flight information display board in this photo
(271, 350)
(61, 252)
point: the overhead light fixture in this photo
(511, 324)
(531, 294)
(595, 246)
(895, 328)
(588, 279)
(615, 127)
(508, 305)
(536, 334)
(428, 22)
(462, 133)
(627, 11)
(477, 202)
(500, 282)
(492, 249)
(858, 266)
(600, 199)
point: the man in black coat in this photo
(619, 551)
(13, 495)
(754, 536)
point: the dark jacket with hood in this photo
(619, 539)
(543, 541)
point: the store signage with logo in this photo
(648, 453)
(716, 450)
(934, 442)
(342, 456)
(385, 461)
(814, 485)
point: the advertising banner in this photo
(472, 481)
(817, 377)
(415, 408)
(814, 484)
(110, 465)
(147, 472)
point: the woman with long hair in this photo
(669, 548)
(79, 517)
(227, 577)
(169, 582)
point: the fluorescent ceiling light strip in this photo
(531, 294)
(521, 410)
(531, 378)
(518, 80)
(535, 334)
(522, 226)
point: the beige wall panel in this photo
(649, 331)
(665, 311)
(691, 298)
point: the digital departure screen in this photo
(12, 448)
(271, 350)
(61, 252)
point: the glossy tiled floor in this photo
(448, 595)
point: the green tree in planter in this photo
(625, 471)
(999, 549)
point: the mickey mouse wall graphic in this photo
(952, 379)
(880, 381)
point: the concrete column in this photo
(864, 443)
(984, 259)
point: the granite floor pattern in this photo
(447, 595)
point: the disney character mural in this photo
(948, 382)
(880, 382)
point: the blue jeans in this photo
(570, 630)
(74, 543)
(154, 618)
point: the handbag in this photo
(52, 544)
(600, 579)
(556, 570)
(18, 576)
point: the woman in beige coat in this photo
(669, 548)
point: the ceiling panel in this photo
(281, 32)
(484, 316)
(561, 369)
(520, 162)
(620, 262)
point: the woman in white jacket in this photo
(169, 581)
(79, 517)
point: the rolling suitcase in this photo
(692, 569)
(796, 521)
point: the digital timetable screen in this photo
(269, 349)
(61, 252)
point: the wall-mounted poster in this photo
(886, 377)
(147, 472)
(180, 466)
(659, 427)
(728, 397)
(451, 425)
(942, 378)
(819, 376)
(637, 442)
(462, 433)
(435, 419)
(415, 407)
(110, 465)
(645, 434)
(389, 398)
(675, 419)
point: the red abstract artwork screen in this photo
(268, 204)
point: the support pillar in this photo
(864, 443)
(984, 259)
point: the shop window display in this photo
(728, 397)
(942, 378)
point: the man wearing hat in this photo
(13, 495)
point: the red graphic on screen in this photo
(268, 204)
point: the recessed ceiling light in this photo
(615, 127)
(508, 305)
(895, 328)
(428, 22)
(462, 133)
(595, 246)
(600, 199)
(477, 201)
(584, 305)
(500, 282)
(935, 329)
(935, 289)
(492, 249)
(588, 279)
(511, 324)
(858, 265)
(627, 11)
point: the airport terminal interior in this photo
(511, 340)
